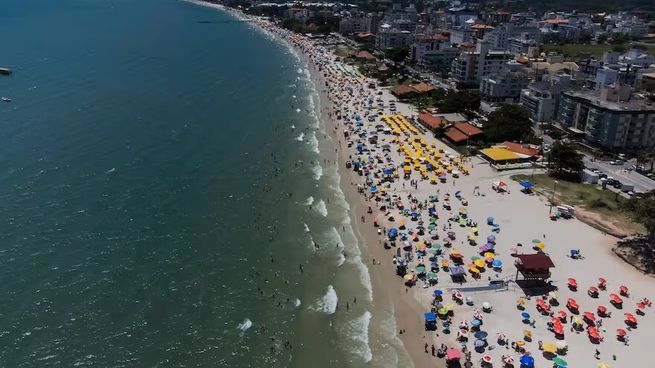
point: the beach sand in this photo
(521, 218)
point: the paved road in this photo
(618, 172)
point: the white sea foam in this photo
(364, 276)
(308, 202)
(317, 169)
(306, 227)
(341, 260)
(293, 126)
(245, 325)
(313, 142)
(296, 302)
(301, 137)
(328, 303)
(357, 332)
(298, 110)
(321, 208)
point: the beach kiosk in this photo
(533, 267)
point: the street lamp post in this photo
(552, 198)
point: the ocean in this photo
(164, 199)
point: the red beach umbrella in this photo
(593, 333)
(561, 314)
(630, 318)
(620, 332)
(558, 329)
(624, 290)
(572, 282)
(572, 304)
(616, 299)
(601, 310)
(453, 354)
(592, 290)
(589, 316)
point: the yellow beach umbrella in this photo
(540, 245)
(603, 365)
(520, 343)
(408, 277)
(488, 255)
(479, 263)
(420, 245)
(450, 306)
(474, 270)
(549, 347)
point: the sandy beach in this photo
(394, 184)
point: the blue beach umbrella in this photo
(476, 323)
(479, 343)
(491, 238)
(527, 184)
(525, 315)
(481, 335)
(374, 189)
(497, 263)
(490, 220)
(393, 232)
(437, 292)
(527, 361)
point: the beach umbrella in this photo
(481, 335)
(432, 275)
(630, 318)
(490, 220)
(474, 270)
(487, 359)
(475, 258)
(620, 332)
(479, 343)
(442, 311)
(601, 310)
(437, 292)
(527, 184)
(476, 322)
(623, 290)
(525, 315)
(508, 359)
(561, 314)
(497, 263)
(449, 306)
(549, 347)
(409, 277)
(536, 241)
(491, 238)
(433, 252)
(603, 365)
(540, 246)
(561, 344)
(453, 354)
(616, 299)
(589, 316)
(527, 361)
(420, 269)
(479, 263)
(520, 343)
(560, 362)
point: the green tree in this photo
(642, 210)
(460, 101)
(509, 123)
(398, 53)
(564, 159)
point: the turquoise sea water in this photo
(160, 186)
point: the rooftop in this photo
(536, 261)
(593, 97)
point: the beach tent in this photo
(430, 321)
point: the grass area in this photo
(597, 50)
(607, 204)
